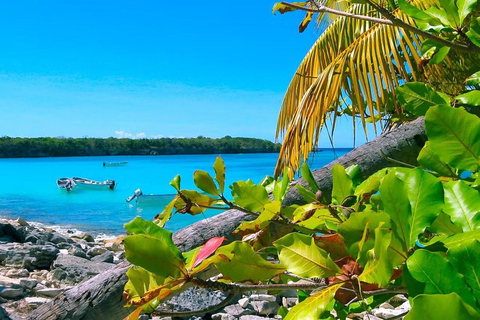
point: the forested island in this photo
(66, 147)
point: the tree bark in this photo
(101, 296)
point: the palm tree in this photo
(353, 68)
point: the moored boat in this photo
(94, 185)
(115, 164)
(65, 183)
(150, 199)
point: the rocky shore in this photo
(38, 264)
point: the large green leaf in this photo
(429, 160)
(474, 33)
(460, 238)
(379, 266)
(140, 281)
(465, 7)
(204, 182)
(438, 275)
(397, 205)
(372, 183)
(465, 258)
(302, 256)
(353, 231)
(146, 227)
(270, 211)
(425, 193)
(238, 261)
(441, 306)
(312, 307)
(342, 184)
(451, 12)
(199, 202)
(453, 135)
(462, 203)
(471, 98)
(219, 168)
(412, 11)
(249, 195)
(153, 255)
(308, 176)
(474, 78)
(444, 226)
(280, 187)
(417, 97)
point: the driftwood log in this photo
(101, 296)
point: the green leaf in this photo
(460, 238)
(430, 161)
(354, 228)
(417, 97)
(474, 79)
(471, 98)
(355, 173)
(280, 187)
(162, 218)
(372, 183)
(443, 225)
(200, 202)
(302, 256)
(440, 15)
(238, 261)
(249, 195)
(270, 211)
(148, 228)
(441, 306)
(312, 307)
(140, 281)
(438, 275)
(308, 176)
(465, 258)
(412, 11)
(307, 195)
(453, 135)
(397, 205)
(379, 267)
(465, 7)
(204, 182)
(425, 193)
(219, 168)
(176, 182)
(342, 183)
(451, 12)
(462, 203)
(153, 255)
(474, 33)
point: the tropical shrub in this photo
(414, 231)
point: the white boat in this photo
(115, 164)
(94, 185)
(65, 183)
(150, 199)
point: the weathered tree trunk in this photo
(101, 296)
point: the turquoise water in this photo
(29, 189)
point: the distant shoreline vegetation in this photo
(69, 147)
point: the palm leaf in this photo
(361, 60)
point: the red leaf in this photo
(208, 249)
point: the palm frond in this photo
(358, 59)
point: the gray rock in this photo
(263, 297)
(28, 256)
(87, 237)
(289, 302)
(236, 310)
(77, 251)
(96, 251)
(243, 302)
(193, 298)
(112, 246)
(28, 283)
(107, 256)
(252, 317)
(22, 222)
(17, 273)
(49, 292)
(11, 293)
(265, 307)
(75, 269)
(222, 316)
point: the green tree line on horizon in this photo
(11, 147)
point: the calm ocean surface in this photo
(28, 188)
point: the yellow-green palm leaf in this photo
(359, 59)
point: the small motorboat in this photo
(66, 183)
(150, 199)
(115, 164)
(94, 185)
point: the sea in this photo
(28, 187)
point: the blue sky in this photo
(148, 68)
